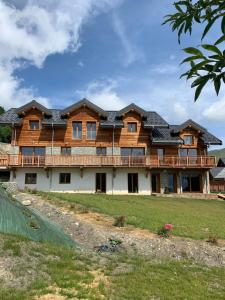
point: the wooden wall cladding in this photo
(122, 137)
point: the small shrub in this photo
(34, 224)
(213, 240)
(72, 206)
(119, 221)
(83, 210)
(165, 230)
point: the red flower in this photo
(168, 226)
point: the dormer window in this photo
(188, 140)
(34, 125)
(91, 130)
(132, 127)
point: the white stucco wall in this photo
(85, 184)
(42, 180)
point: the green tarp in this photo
(18, 219)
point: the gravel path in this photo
(91, 230)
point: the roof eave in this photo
(155, 126)
(166, 142)
(111, 125)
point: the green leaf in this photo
(212, 48)
(192, 50)
(191, 58)
(223, 25)
(180, 32)
(200, 80)
(198, 67)
(217, 84)
(220, 40)
(178, 8)
(209, 67)
(199, 89)
(208, 26)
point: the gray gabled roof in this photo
(221, 162)
(154, 120)
(162, 132)
(84, 102)
(33, 104)
(190, 123)
(206, 137)
(218, 173)
(55, 119)
(131, 107)
(111, 121)
(10, 117)
(165, 136)
(210, 139)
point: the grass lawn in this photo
(194, 218)
(75, 275)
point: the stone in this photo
(26, 202)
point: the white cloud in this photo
(131, 52)
(103, 93)
(215, 111)
(180, 111)
(165, 68)
(80, 64)
(32, 30)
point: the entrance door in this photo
(172, 181)
(155, 183)
(191, 183)
(132, 182)
(100, 183)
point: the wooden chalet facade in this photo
(84, 148)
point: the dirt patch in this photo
(19, 271)
(50, 297)
(91, 230)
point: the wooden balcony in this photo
(107, 161)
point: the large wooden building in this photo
(84, 148)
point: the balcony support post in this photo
(81, 172)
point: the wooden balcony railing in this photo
(104, 161)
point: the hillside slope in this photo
(218, 153)
(5, 148)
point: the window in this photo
(34, 125)
(77, 130)
(66, 150)
(30, 178)
(191, 152)
(91, 130)
(134, 151)
(101, 151)
(29, 151)
(132, 127)
(188, 140)
(64, 178)
(160, 153)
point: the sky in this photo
(113, 52)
